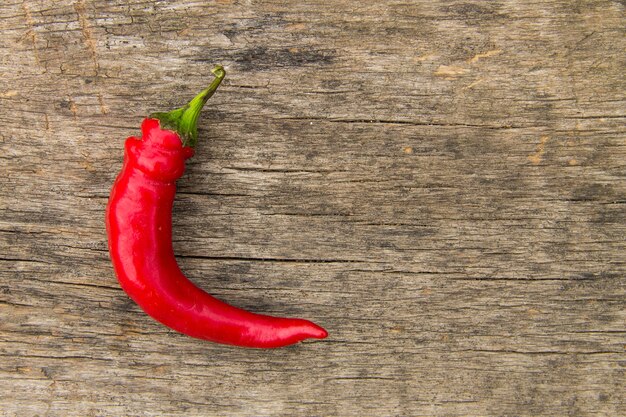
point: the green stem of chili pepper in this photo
(184, 120)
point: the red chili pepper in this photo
(139, 227)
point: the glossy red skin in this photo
(139, 227)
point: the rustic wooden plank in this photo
(440, 184)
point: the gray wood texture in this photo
(441, 184)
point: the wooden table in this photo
(439, 184)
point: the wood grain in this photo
(441, 184)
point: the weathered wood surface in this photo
(440, 184)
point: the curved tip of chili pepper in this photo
(313, 331)
(290, 332)
(321, 333)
